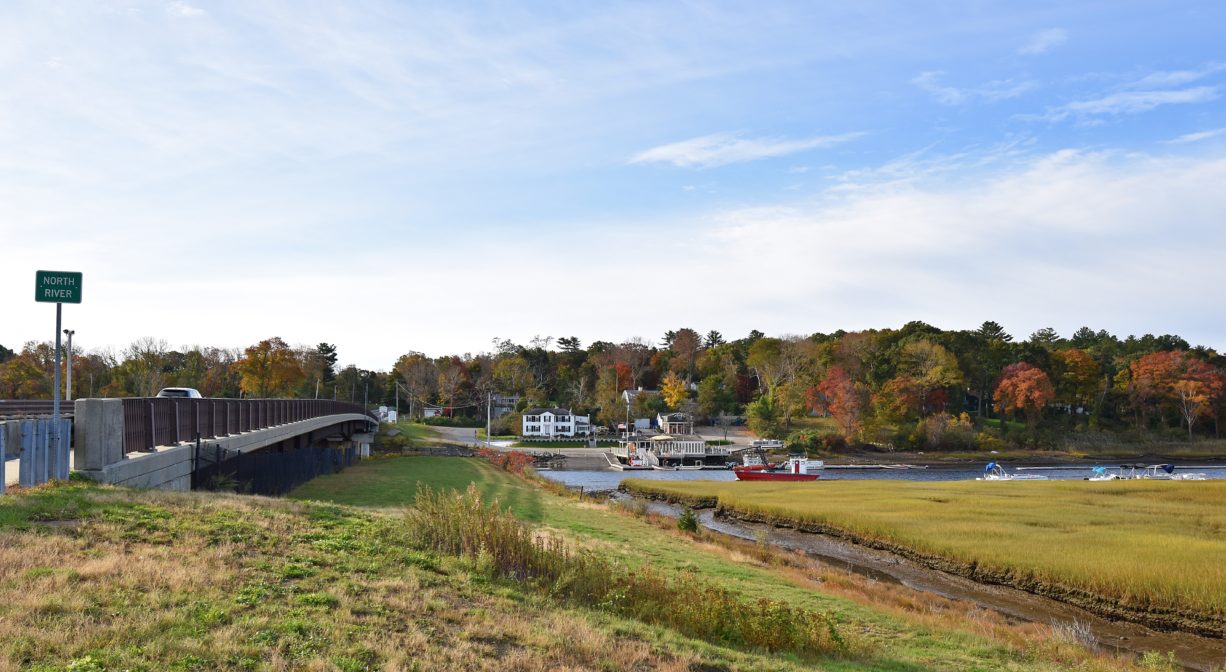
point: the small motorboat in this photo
(996, 472)
(1101, 474)
(1162, 472)
(795, 469)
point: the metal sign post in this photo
(58, 287)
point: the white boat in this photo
(996, 472)
(1163, 472)
(1101, 474)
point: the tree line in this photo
(915, 386)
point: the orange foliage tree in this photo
(1077, 376)
(1025, 388)
(1174, 379)
(841, 397)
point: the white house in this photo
(552, 423)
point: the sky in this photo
(411, 176)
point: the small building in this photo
(550, 423)
(671, 451)
(675, 423)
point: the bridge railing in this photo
(30, 408)
(161, 421)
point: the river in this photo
(608, 479)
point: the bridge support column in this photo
(362, 442)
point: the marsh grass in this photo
(1143, 544)
(461, 524)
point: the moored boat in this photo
(996, 472)
(795, 469)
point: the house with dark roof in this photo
(675, 423)
(550, 423)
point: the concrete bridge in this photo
(163, 442)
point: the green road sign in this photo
(57, 287)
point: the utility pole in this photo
(68, 383)
(489, 405)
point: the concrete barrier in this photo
(39, 457)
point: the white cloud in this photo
(1131, 102)
(993, 91)
(1063, 240)
(1177, 77)
(721, 149)
(1196, 137)
(1044, 41)
(182, 8)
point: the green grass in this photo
(496, 437)
(417, 432)
(817, 424)
(1143, 544)
(393, 483)
(548, 445)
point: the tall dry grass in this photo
(460, 523)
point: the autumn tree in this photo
(929, 367)
(512, 375)
(1173, 379)
(28, 375)
(1025, 388)
(1077, 376)
(419, 375)
(686, 345)
(673, 389)
(840, 396)
(635, 355)
(269, 369)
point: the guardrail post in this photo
(54, 442)
(153, 428)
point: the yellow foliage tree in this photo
(672, 388)
(270, 369)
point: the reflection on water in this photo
(608, 479)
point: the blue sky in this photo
(394, 176)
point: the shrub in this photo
(688, 520)
(943, 431)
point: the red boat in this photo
(795, 469)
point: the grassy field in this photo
(415, 431)
(95, 578)
(904, 630)
(393, 483)
(1146, 545)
